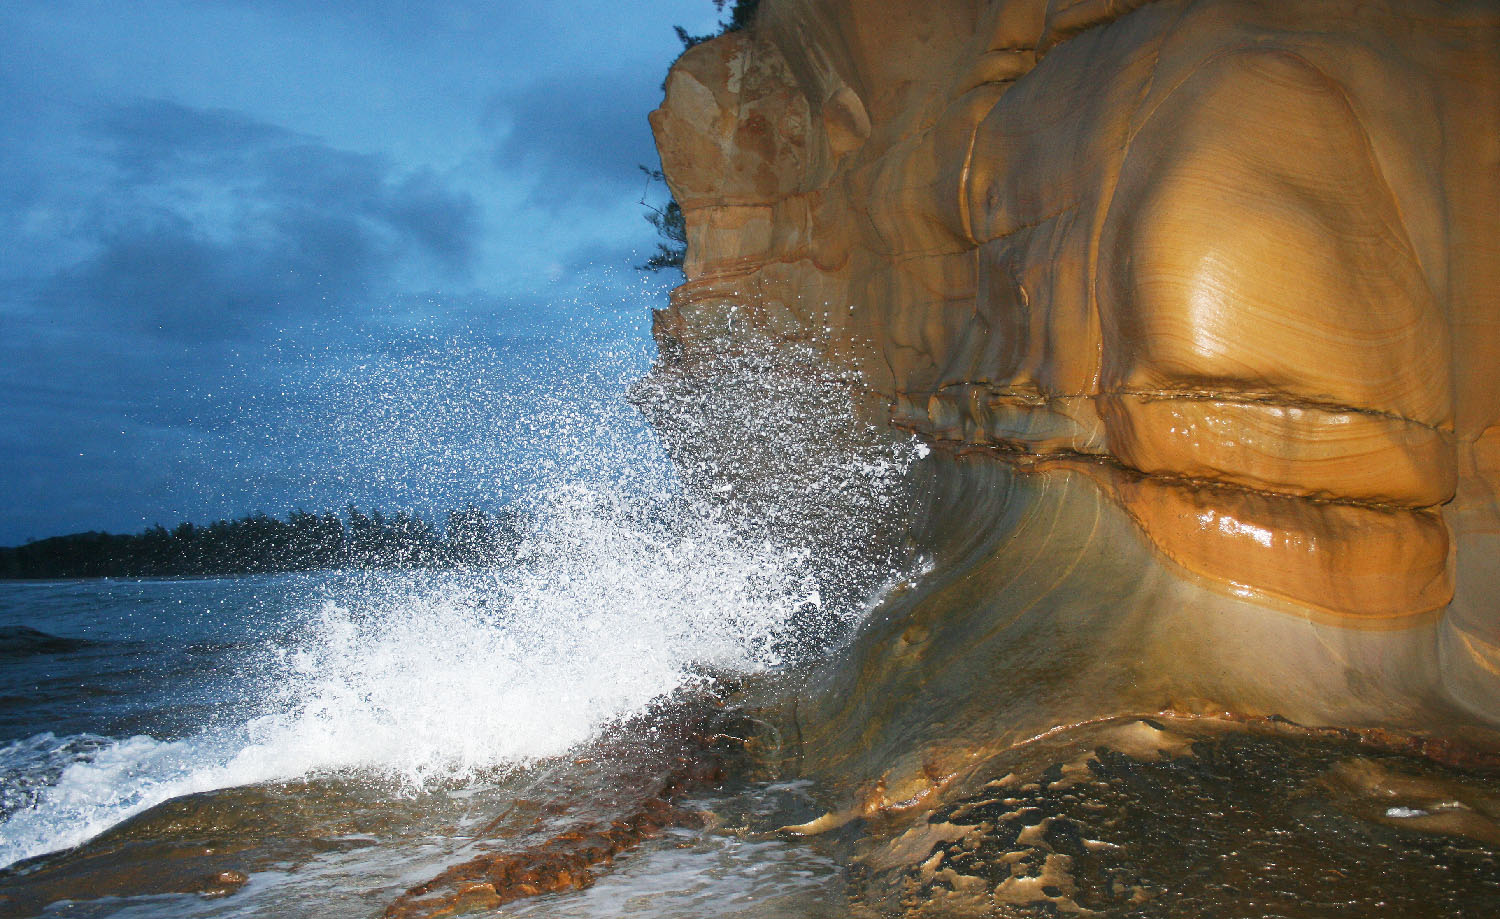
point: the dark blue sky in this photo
(260, 255)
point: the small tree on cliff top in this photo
(670, 226)
(741, 14)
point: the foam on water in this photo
(625, 588)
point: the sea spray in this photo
(629, 581)
(766, 430)
(602, 614)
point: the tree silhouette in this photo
(259, 543)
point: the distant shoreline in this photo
(262, 544)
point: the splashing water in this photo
(629, 583)
(607, 614)
(768, 429)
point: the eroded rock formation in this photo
(1201, 301)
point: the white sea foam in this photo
(625, 588)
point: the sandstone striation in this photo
(1199, 301)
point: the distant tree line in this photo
(260, 543)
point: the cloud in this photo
(218, 227)
(446, 225)
(578, 135)
(153, 137)
(196, 238)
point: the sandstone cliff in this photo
(1199, 301)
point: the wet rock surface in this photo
(1230, 822)
(553, 827)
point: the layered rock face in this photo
(1213, 287)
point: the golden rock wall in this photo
(1236, 263)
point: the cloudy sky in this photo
(267, 254)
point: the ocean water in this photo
(409, 704)
(320, 742)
